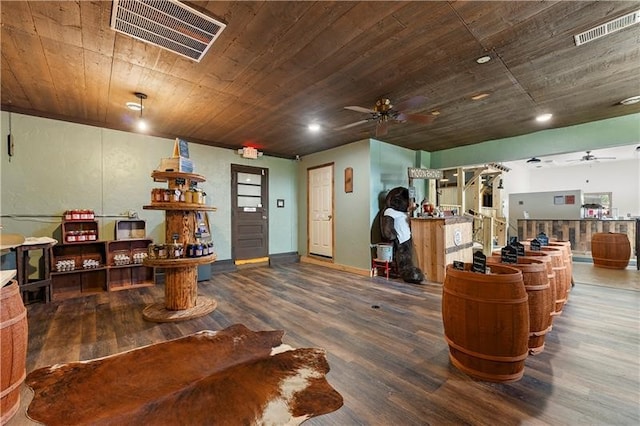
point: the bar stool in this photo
(42, 284)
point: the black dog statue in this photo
(394, 224)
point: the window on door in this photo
(249, 190)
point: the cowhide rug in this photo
(229, 377)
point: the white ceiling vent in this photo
(168, 24)
(608, 28)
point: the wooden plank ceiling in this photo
(280, 65)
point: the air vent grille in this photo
(608, 28)
(168, 24)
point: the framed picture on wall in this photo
(558, 199)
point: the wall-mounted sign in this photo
(415, 173)
(348, 179)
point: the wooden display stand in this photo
(181, 285)
(439, 241)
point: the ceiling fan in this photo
(591, 157)
(384, 113)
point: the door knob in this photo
(264, 217)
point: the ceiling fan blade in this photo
(411, 103)
(347, 126)
(360, 109)
(605, 158)
(416, 118)
(382, 128)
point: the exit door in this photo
(249, 212)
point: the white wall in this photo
(543, 205)
(620, 177)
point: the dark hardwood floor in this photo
(385, 346)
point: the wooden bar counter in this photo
(579, 231)
(439, 241)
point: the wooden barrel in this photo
(610, 250)
(546, 260)
(551, 275)
(568, 261)
(540, 297)
(560, 269)
(486, 322)
(13, 344)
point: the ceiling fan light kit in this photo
(630, 101)
(141, 124)
(384, 112)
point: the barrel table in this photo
(486, 322)
(13, 344)
(610, 250)
(540, 297)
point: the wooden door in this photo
(320, 208)
(249, 212)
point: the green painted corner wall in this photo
(59, 166)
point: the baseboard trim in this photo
(283, 258)
(222, 266)
(336, 266)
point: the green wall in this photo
(618, 131)
(59, 166)
(389, 164)
(351, 233)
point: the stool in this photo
(379, 263)
(40, 284)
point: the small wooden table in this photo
(43, 282)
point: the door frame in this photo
(333, 208)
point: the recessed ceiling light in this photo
(480, 96)
(543, 118)
(134, 106)
(630, 101)
(483, 59)
(314, 127)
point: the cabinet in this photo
(181, 301)
(82, 268)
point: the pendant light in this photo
(141, 124)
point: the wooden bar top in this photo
(450, 220)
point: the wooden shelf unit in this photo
(106, 277)
(133, 275)
(181, 301)
(68, 226)
(79, 281)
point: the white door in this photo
(320, 221)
